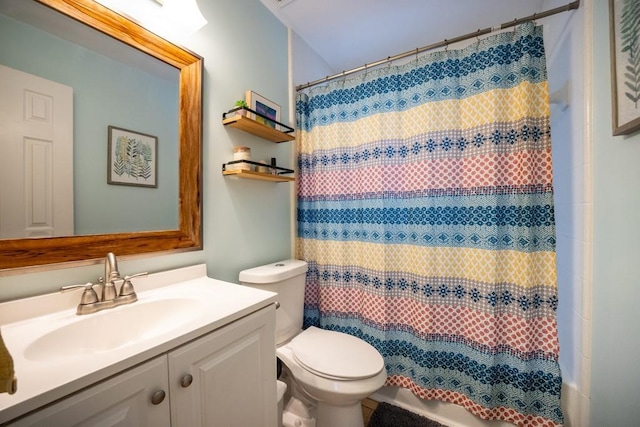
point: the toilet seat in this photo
(336, 355)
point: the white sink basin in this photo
(57, 352)
(114, 328)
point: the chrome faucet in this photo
(90, 303)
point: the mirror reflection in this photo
(63, 85)
(116, 200)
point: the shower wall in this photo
(565, 45)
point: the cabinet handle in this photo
(186, 380)
(158, 397)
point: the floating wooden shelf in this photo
(278, 176)
(263, 131)
(256, 128)
(257, 175)
(244, 123)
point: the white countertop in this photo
(43, 381)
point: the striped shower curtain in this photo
(425, 211)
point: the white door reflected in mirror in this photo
(36, 165)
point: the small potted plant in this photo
(241, 103)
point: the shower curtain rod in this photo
(445, 42)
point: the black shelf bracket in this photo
(275, 170)
(287, 129)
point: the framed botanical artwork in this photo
(261, 105)
(132, 158)
(624, 22)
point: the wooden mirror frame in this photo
(22, 253)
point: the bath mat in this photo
(387, 415)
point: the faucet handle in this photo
(89, 295)
(136, 275)
(127, 286)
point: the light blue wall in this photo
(103, 95)
(615, 385)
(245, 222)
(307, 65)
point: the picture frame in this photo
(263, 106)
(625, 66)
(132, 158)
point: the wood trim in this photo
(258, 175)
(256, 128)
(26, 253)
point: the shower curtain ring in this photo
(343, 79)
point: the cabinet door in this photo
(123, 401)
(233, 376)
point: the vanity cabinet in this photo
(224, 378)
(227, 378)
(124, 400)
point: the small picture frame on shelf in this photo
(262, 105)
(132, 158)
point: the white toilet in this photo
(331, 370)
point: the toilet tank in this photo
(287, 279)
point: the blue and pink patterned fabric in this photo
(425, 211)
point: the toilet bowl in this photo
(331, 370)
(334, 370)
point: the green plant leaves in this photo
(630, 44)
(133, 158)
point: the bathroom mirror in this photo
(21, 253)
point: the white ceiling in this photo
(351, 33)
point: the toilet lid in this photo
(336, 355)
